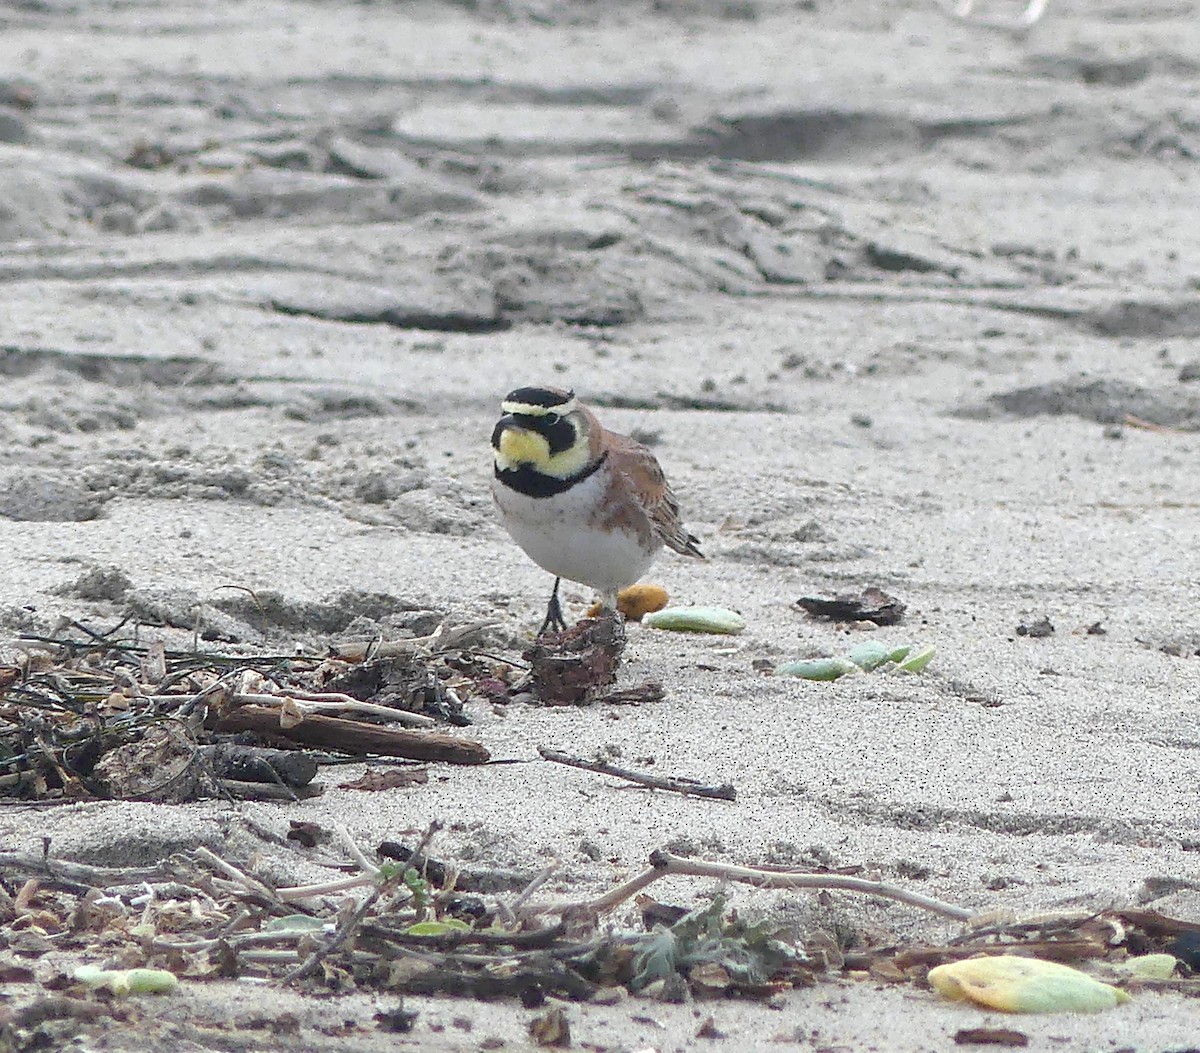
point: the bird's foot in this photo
(554, 622)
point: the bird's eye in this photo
(552, 419)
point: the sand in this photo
(894, 297)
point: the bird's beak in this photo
(515, 444)
(502, 425)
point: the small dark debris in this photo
(397, 1020)
(149, 156)
(647, 691)
(393, 779)
(309, 835)
(533, 997)
(1036, 630)
(709, 1029)
(1097, 629)
(871, 605)
(1186, 947)
(664, 914)
(990, 1036)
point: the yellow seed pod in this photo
(636, 601)
(1024, 985)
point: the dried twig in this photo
(724, 792)
(444, 638)
(305, 702)
(81, 873)
(1132, 421)
(240, 877)
(509, 910)
(343, 933)
(664, 864)
(350, 736)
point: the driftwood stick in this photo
(350, 736)
(663, 864)
(316, 702)
(724, 792)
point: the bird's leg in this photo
(555, 622)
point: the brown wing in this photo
(653, 493)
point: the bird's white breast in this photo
(557, 534)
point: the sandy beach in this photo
(897, 300)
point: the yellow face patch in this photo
(569, 462)
(522, 446)
(519, 446)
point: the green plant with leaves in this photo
(751, 954)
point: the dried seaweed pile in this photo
(100, 718)
(405, 923)
(96, 717)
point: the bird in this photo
(585, 503)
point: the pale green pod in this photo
(696, 620)
(149, 981)
(1024, 985)
(128, 981)
(438, 928)
(1149, 966)
(916, 662)
(817, 668)
(92, 975)
(870, 654)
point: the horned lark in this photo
(584, 503)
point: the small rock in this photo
(1036, 629)
(551, 1029)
